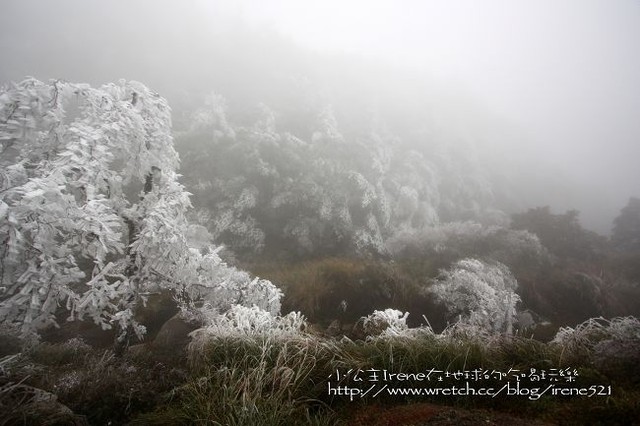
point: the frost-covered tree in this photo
(478, 293)
(323, 186)
(266, 186)
(626, 227)
(562, 234)
(318, 192)
(92, 216)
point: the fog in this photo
(550, 89)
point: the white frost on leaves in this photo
(390, 322)
(602, 342)
(478, 293)
(596, 330)
(249, 322)
(330, 191)
(469, 239)
(72, 235)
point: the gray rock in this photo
(173, 335)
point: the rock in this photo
(159, 309)
(347, 329)
(9, 345)
(173, 336)
(524, 322)
(545, 331)
(334, 328)
(138, 350)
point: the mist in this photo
(260, 212)
(549, 90)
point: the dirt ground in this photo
(431, 414)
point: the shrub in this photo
(344, 289)
(389, 322)
(626, 227)
(455, 240)
(612, 346)
(240, 321)
(562, 234)
(478, 293)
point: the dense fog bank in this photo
(550, 113)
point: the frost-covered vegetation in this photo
(240, 321)
(313, 189)
(93, 216)
(374, 255)
(478, 293)
(251, 378)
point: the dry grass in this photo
(245, 378)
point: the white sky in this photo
(582, 54)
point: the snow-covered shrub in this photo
(465, 239)
(512, 245)
(242, 321)
(602, 340)
(611, 346)
(478, 293)
(388, 322)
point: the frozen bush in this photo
(241, 321)
(595, 330)
(479, 294)
(464, 239)
(389, 322)
(612, 346)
